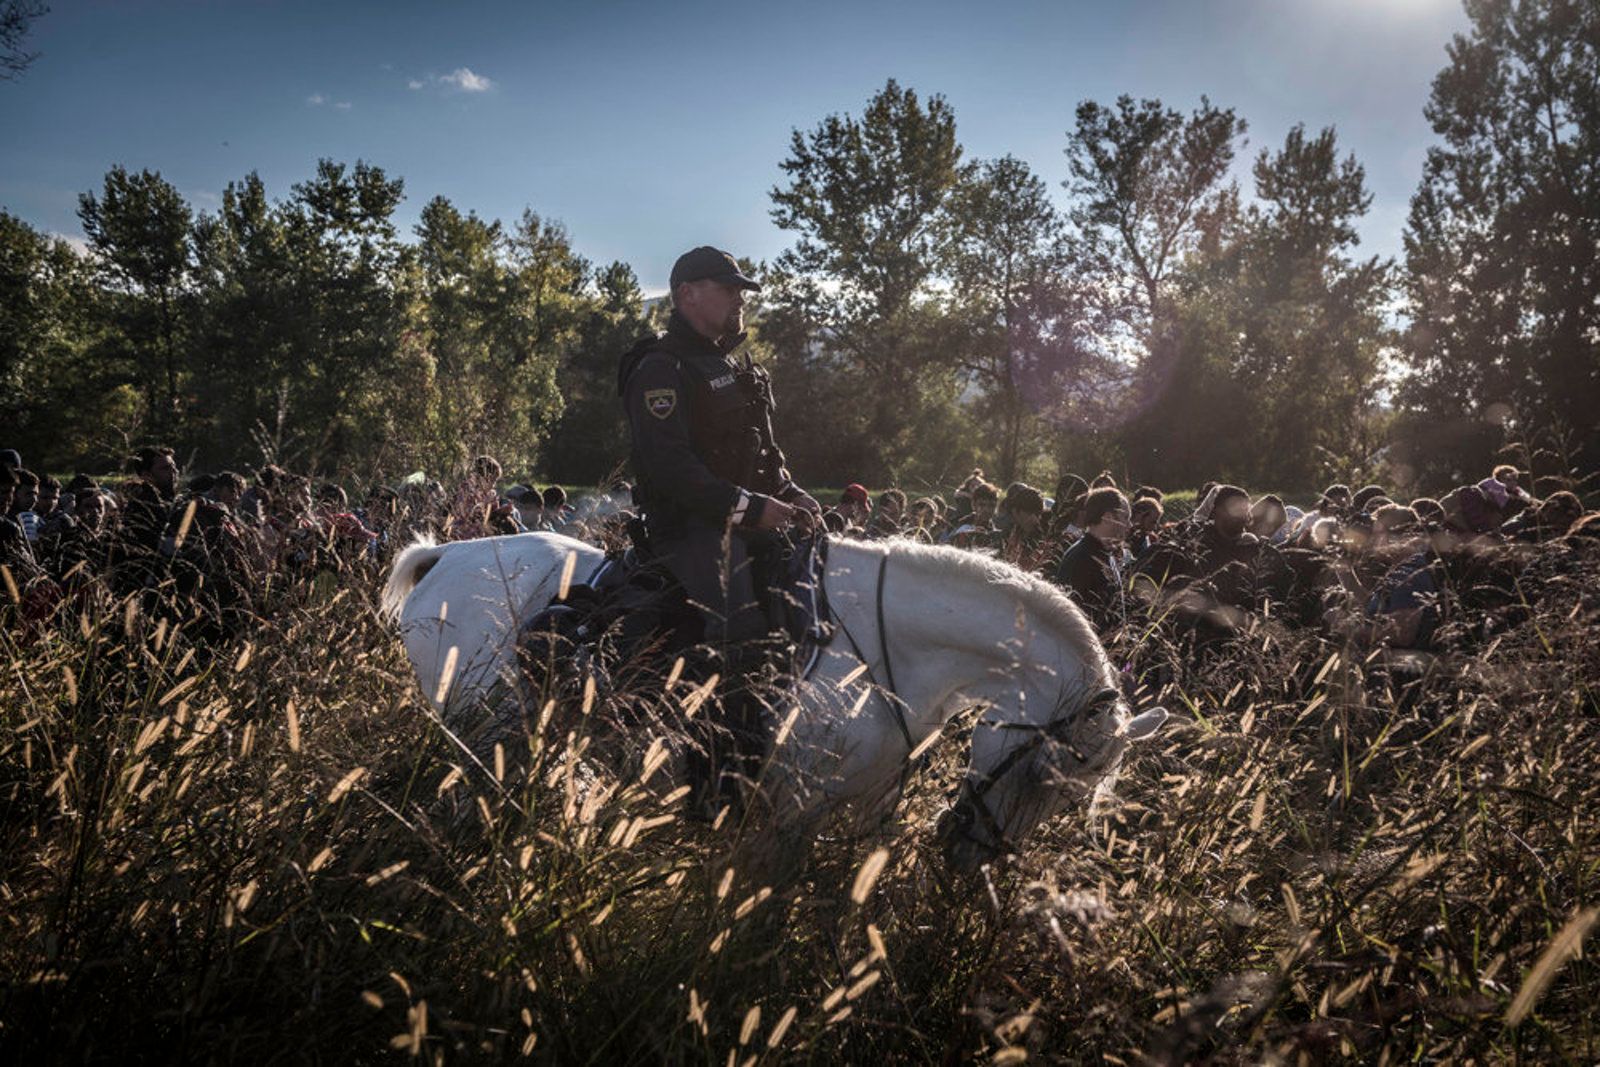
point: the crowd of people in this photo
(219, 547)
(1356, 562)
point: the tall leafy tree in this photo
(138, 227)
(1147, 184)
(62, 399)
(591, 439)
(1007, 263)
(1311, 326)
(1503, 240)
(866, 197)
(1149, 188)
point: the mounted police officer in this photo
(709, 477)
(704, 461)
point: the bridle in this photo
(972, 806)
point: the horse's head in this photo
(1022, 774)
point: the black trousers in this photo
(713, 566)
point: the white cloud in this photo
(316, 100)
(79, 244)
(468, 82)
(415, 83)
(343, 105)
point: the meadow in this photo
(270, 852)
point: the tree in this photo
(867, 198)
(60, 400)
(1147, 184)
(1311, 328)
(351, 386)
(591, 440)
(1271, 326)
(16, 21)
(499, 312)
(1503, 239)
(1007, 260)
(138, 228)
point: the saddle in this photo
(630, 603)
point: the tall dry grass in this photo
(270, 853)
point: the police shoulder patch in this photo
(661, 402)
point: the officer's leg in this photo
(715, 575)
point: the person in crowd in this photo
(1469, 511)
(854, 507)
(922, 521)
(556, 514)
(79, 550)
(1091, 570)
(1225, 550)
(1023, 543)
(1545, 520)
(141, 552)
(49, 506)
(1429, 512)
(1366, 498)
(529, 505)
(1145, 525)
(887, 515)
(23, 500)
(15, 551)
(1268, 516)
(346, 540)
(1333, 504)
(977, 530)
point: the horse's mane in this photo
(1044, 600)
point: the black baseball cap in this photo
(707, 263)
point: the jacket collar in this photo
(687, 341)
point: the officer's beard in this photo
(734, 324)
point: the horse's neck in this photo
(954, 639)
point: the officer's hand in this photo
(775, 515)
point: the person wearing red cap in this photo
(854, 506)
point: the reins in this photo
(1054, 730)
(892, 696)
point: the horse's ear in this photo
(1145, 724)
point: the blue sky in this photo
(649, 128)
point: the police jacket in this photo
(702, 432)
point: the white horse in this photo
(923, 633)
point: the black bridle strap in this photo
(891, 695)
(1050, 731)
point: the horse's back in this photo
(473, 597)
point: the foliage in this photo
(867, 198)
(1503, 242)
(933, 313)
(16, 20)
